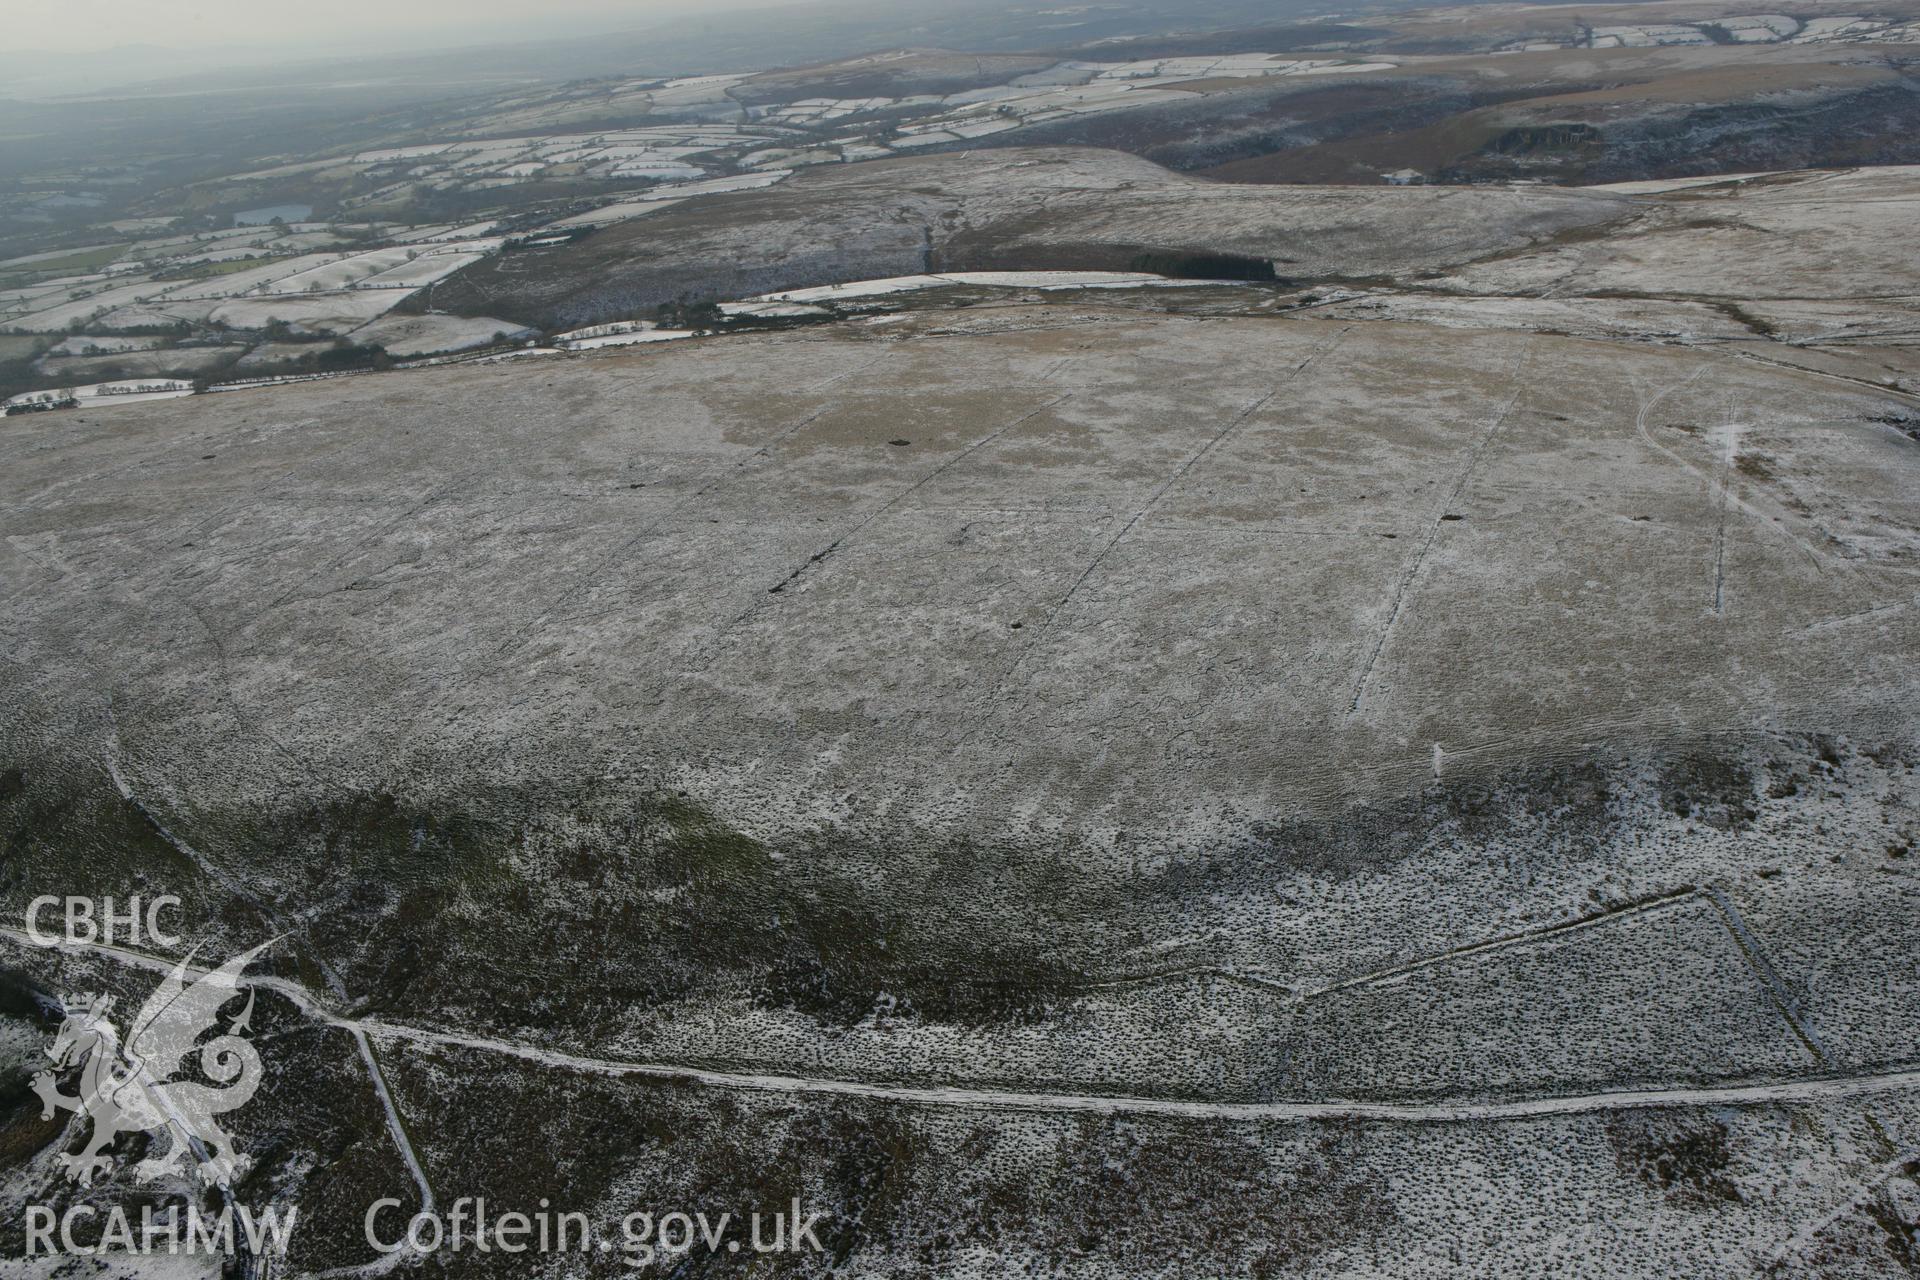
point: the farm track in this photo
(1813, 1088)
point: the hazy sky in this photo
(76, 26)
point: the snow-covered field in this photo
(407, 336)
(1647, 37)
(159, 313)
(608, 214)
(320, 289)
(77, 309)
(627, 339)
(652, 153)
(1764, 28)
(427, 235)
(254, 279)
(320, 312)
(422, 270)
(1067, 89)
(1654, 186)
(85, 345)
(153, 363)
(621, 333)
(338, 273)
(101, 394)
(771, 310)
(995, 279)
(668, 195)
